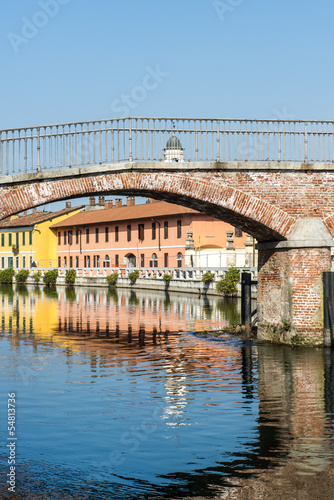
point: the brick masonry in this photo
(263, 203)
(290, 298)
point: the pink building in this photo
(153, 234)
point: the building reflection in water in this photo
(294, 388)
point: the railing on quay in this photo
(179, 273)
(52, 147)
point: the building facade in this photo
(153, 234)
(26, 241)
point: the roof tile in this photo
(145, 210)
(34, 218)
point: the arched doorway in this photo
(130, 260)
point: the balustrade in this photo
(52, 147)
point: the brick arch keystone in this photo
(213, 197)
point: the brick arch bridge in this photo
(291, 213)
(273, 179)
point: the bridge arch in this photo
(250, 213)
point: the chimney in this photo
(68, 204)
(109, 204)
(130, 201)
(101, 201)
(92, 201)
(25, 212)
(118, 202)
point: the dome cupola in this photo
(173, 150)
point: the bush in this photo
(208, 277)
(228, 284)
(50, 277)
(112, 279)
(167, 277)
(6, 276)
(133, 276)
(37, 276)
(70, 276)
(21, 276)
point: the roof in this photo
(34, 218)
(146, 210)
(174, 143)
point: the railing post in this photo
(328, 294)
(0, 152)
(218, 141)
(305, 143)
(38, 150)
(246, 297)
(130, 139)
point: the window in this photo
(106, 262)
(77, 236)
(142, 260)
(128, 229)
(65, 237)
(71, 261)
(141, 232)
(17, 239)
(96, 235)
(106, 234)
(87, 235)
(165, 259)
(70, 238)
(154, 260)
(30, 260)
(30, 237)
(238, 232)
(166, 230)
(97, 261)
(116, 233)
(179, 230)
(59, 261)
(179, 259)
(3, 262)
(117, 260)
(23, 238)
(77, 261)
(24, 261)
(85, 261)
(59, 238)
(94, 261)
(17, 262)
(88, 260)
(154, 230)
(65, 261)
(10, 239)
(2, 240)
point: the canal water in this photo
(117, 398)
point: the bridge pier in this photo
(290, 290)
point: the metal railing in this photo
(99, 142)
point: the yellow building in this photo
(27, 241)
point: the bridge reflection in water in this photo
(116, 395)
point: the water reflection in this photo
(116, 395)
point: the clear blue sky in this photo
(228, 58)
